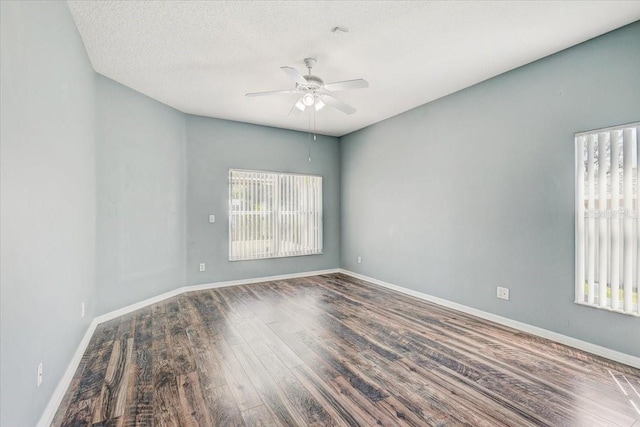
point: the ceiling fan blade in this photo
(271, 92)
(347, 84)
(295, 75)
(337, 104)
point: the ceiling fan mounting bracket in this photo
(310, 63)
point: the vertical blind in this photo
(274, 215)
(607, 223)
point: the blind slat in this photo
(603, 160)
(615, 220)
(580, 230)
(628, 141)
(591, 248)
(637, 221)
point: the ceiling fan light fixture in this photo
(308, 99)
(319, 104)
(300, 105)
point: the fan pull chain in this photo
(314, 131)
(309, 137)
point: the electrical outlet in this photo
(359, 260)
(82, 313)
(212, 218)
(203, 267)
(39, 374)
(503, 293)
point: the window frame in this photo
(277, 252)
(595, 225)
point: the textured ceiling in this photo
(201, 57)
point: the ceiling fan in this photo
(314, 92)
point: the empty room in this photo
(319, 213)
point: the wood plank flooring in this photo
(335, 351)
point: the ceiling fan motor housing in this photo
(314, 82)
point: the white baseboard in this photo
(133, 307)
(617, 356)
(52, 407)
(58, 394)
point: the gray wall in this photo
(159, 176)
(47, 205)
(141, 182)
(476, 190)
(213, 147)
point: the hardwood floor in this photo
(335, 351)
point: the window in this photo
(274, 215)
(607, 224)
